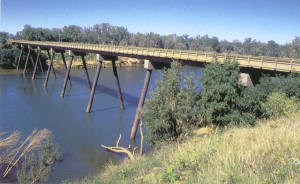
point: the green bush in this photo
(176, 106)
(221, 94)
(252, 98)
(278, 104)
(290, 85)
(8, 56)
(171, 110)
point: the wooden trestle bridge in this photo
(154, 59)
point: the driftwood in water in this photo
(119, 149)
(142, 138)
(127, 151)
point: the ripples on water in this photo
(25, 105)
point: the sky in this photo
(263, 20)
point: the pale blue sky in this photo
(227, 19)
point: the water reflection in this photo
(25, 105)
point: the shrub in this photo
(290, 85)
(171, 110)
(8, 56)
(252, 98)
(36, 167)
(220, 94)
(278, 104)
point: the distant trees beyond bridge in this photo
(107, 34)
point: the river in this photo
(25, 105)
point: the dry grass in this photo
(267, 153)
(15, 151)
(11, 140)
(7, 145)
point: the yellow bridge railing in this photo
(260, 62)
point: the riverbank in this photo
(77, 63)
(121, 62)
(4, 71)
(266, 153)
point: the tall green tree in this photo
(220, 93)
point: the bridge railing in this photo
(263, 62)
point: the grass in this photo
(12, 151)
(266, 153)
(7, 145)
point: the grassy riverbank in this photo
(266, 153)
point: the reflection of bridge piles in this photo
(154, 59)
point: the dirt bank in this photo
(121, 62)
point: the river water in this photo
(25, 105)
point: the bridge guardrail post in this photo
(291, 68)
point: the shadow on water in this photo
(109, 91)
(25, 105)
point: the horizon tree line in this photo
(117, 35)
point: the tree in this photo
(295, 48)
(272, 49)
(172, 110)
(3, 39)
(105, 35)
(119, 34)
(71, 33)
(225, 46)
(56, 34)
(89, 36)
(220, 93)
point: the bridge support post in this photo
(26, 62)
(118, 84)
(41, 65)
(19, 60)
(90, 103)
(51, 56)
(51, 63)
(62, 94)
(86, 72)
(149, 67)
(65, 66)
(36, 63)
(31, 59)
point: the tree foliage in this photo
(278, 104)
(177, 106)
(172, 109)
(220, 94)
(107, 34)
(7, 53)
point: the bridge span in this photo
(155, 58)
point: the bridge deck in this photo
(167, 55)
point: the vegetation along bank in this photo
(224, 133)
